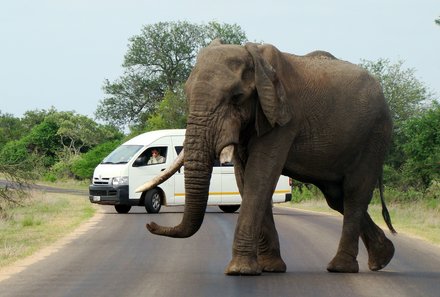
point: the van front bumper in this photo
(109, 195)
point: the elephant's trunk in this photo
(198, 162)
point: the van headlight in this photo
(120, 181)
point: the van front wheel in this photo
(122, 208)
(229, 208)
(153, 201)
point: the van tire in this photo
(122, 208)
(229, 208)
(153, 201)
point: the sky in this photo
(59, 52)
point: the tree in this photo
(78, 133)
(32, 118)
(55, 141)
(14, 190)
(83, 167)
(171, 112)
(405, 94)
(160, 58)
(422, 147)
(437, 21)
(11, 128)
(131, 99)
(230, 34)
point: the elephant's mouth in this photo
(227, 153)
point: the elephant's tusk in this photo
(226, 154)
(164, 175)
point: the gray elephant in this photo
(313, 118)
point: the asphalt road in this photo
(118, 257)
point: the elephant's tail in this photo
(385, 213)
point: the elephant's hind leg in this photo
(345, 259)
(269, 255)
(380, 248)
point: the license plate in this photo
(96, 198)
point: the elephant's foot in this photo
(241, 265)
(271, 263)
(343, 263)
(380, 254)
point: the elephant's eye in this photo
(237, 98)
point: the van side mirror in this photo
(140, 161)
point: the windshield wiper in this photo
(122, 162)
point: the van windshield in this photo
(122, 154)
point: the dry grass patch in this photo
(417, 218)
(44, 218)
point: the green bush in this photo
(84, 166)
(304, 192)
(422, 148)
(14, 152)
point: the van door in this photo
(178, 197)
(215, 187)
(179, 185)
(231, 195)
(148, 164)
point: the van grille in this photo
(111, 192)
(101, 181)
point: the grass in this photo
(67, 184)
(43, 219)
(419, 217)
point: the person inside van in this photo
(156, 158)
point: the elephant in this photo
(314, 118)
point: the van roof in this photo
(149, 137)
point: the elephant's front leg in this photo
(261, 174)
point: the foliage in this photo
(130, 99)
(13, 190)
(35, 117)
(304, 192)
(54, 142)
(422, 147)
(83, 167)
(171, 112)
(159, 59)
(405, 94)
(10, 128)
(437, 21)
(229, 34)
(39, 141)
(79, 133)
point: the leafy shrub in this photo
(422, 148)
(84, 166)
(304, 192)
(392, 177)
(14, 152)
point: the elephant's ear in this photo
(271, 93)
(216, 41)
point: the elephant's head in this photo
(233, 91)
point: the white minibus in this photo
(130, 165)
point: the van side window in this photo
(151, 156)
(178, 149)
